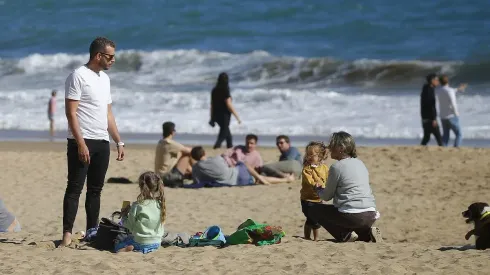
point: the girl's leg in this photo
(307, 232)
(315, 234)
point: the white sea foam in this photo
(263, 111)
(292, 95)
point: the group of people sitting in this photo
(240, 165)
(349, 218)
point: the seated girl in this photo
(145, 217)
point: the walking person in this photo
(448, 110)
(221, 110)
(428, 110)
(51, 112)
(90, 122)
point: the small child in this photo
(145, 217)
(314, 174)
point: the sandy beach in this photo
(420, 193)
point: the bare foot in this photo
(66, 241)
(128, 248)
(290, 178)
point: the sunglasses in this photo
(108, 56)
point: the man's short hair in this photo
(53, 92)
(252, 136)
(168, 128)
(444, 79)
(98, 46)
(197, 153)
(279, 137)
(430, 77)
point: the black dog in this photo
(479, 214)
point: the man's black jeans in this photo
(77, 173)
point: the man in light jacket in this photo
(448, 110)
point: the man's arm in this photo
(112, 127)
(452, 99)
(71, 107)
(186, 151)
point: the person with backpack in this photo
(145, 217)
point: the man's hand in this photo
(120, 153)
(83, 153)
(434, 123)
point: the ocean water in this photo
(296, 67)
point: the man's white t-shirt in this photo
(93, 91)
(447, 102)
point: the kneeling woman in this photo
(353, 212)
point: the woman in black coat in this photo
(221, 110)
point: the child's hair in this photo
(317, 147)
(151, 186)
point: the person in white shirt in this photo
(448, 110)
(90, 121)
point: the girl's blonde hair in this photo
(317, 147)
(151, 186)
(344, 142)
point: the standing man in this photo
(90, 122)
(448, 109)
(428, 110)
(51, 112)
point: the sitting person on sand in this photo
(247, 154)
(172, 159)
(8, 222)
(290, 160)
(215, 169)
(353, 212)
(315, 172)
(145, 217)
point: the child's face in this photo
(313, 156)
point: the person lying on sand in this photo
(8, 222)
(145, 217)
(353, 212)
(290, 160)
(215, 169)
(247, 154)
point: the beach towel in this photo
(250, 232)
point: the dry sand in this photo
(420, 193)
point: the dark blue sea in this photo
(296, 67)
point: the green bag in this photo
(250, 232)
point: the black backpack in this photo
(109, 233)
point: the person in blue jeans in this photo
(8, 222)
(448, 110)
